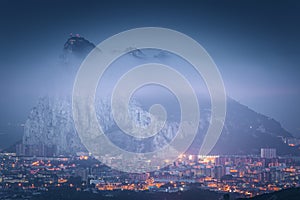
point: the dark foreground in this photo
(288, 194)
(68, 194)
(195, 194)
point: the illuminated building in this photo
(268, 153)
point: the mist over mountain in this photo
(50, 122)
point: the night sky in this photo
(255, 44)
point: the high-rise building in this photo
(268, 153)
(219, 172)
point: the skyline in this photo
(237, 176)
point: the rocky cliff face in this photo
(50, 123)
(245, 131)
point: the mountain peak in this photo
(78, 45)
